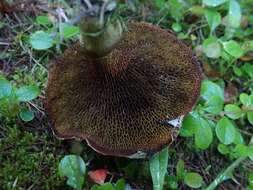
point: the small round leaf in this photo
(233, 111)
(203, 135)
(41, 40)
(225, 131)
(74, 168)
(27, 93)
(193, 180)
(233, 48)
(26, 115)
(5, 88)
(250, 117)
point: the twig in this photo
(61, 14)
(88, 3)
(225, 174)
(4, 43)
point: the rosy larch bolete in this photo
(124, 92)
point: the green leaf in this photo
(209, 89)
(190, 125)
(68, 31)
(212, 47)
(120, 185)
(158, 168)
(214, 96)
(238, 137)
(193, 180)
(250, 179)
(250, 117)
(233, 111)
(177, 27)
(43, 20)
(233, 48)
(242, 150)
(234, 15)
(5, 88)
(26, 115)
(74, 168)
(251, 45)
(245, 99)
(225, 131)
(172, 181)
(106, 186)
(27, 93)
(1, 24)
(203, 135)
(248, 69)
(213, 19)
(223, 149)
(197, 10)
(160, 3)
(213, 3)
(180, 169)
(41, 40)
(176, 9)
(237, 71)
(214, 105)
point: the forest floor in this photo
(29, 152)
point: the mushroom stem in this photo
(102, 11)
(99, 34)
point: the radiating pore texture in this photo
(118, 102)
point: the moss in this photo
(119, 102)
(27, 160)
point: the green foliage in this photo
(213, 3)
(27, 93)
(5, 87)
(233, 48)
(45, 39)
(247, 102)
(74, 168)
(41, 40)
(12, 100)
(193, 180)
(225, 131)
(234, 15)
(203, 135)
(213, 18)
(158, 168)
(26, 115)
(211, 47)
(120, 185)
(233, 111)
(106, 186)
(43, 20)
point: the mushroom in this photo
(127, 98)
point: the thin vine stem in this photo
(225, 174)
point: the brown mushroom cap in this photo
(118, 102)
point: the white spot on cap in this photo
(176, 122)
(138, 155)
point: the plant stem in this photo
(225, 174)
(88, 3)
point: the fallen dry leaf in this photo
(231, 93)
(247, 57)
(98, 176)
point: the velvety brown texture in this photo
(118, 103)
